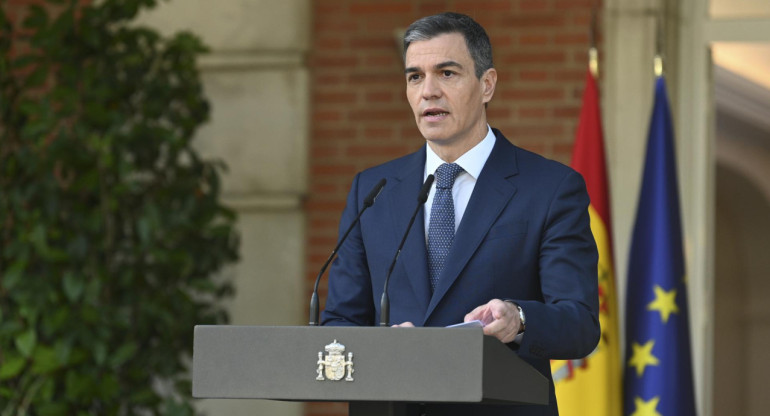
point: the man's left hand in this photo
(500, 319)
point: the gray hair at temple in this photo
(475, 36)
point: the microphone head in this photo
(374, 193)
(423, 195)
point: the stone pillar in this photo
(256, 79)
(632, 38)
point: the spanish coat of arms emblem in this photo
(334, 366)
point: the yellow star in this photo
(642, 357)
(665, 303)
(646, 408)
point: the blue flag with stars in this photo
(658, 367)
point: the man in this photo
(505, 234)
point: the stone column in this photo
(256, 79)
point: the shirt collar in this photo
(471, 161)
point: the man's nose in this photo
(431, 88)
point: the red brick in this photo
(504, 75)
(534, 5)
(534, 75)
(335, 26)
(427, 8)
(370, 43)
(484, 5)
(556, 57)
(333, 133)
(375, 150)
(412, 133)
(377, 78)
(380, 7)
(570, 75)
(378, 132)
(533, 39)
(581, 19)
(533, 113)
(562, 149)
(335, 169)
(327, 79)
(332, 207)
(335, 61)
(386, 24)
(318, 152)
(578, 58)
(379, 97)
(533, 94)
(388, 61)
(323, 241)
(326, 115)
(500, 41)
(335, 97)
(328, 43)
(535, 21)
(537, 130)
(325, 222)
(498, 112)
(378, 115)
(576, 38)
(584, 5)
(567, 112)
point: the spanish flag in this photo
(591, 386)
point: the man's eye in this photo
(413, 77)
(448, 73)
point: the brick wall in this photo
(360, 116)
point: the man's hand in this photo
(500, 319)
(404, 325)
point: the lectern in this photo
(376, 369)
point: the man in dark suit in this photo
(505, 234)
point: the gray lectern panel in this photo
(389, 364)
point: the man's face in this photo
(446, 97)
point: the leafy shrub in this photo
(110, 225)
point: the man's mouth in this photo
(434, 113)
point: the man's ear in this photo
(488, 82)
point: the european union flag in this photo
(658, 366)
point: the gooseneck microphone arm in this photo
(368, 202)
(385, 301)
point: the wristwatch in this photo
(523, 320)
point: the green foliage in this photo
(110, 225)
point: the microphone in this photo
(385, 302)
(368, 202)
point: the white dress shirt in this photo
(472, 162)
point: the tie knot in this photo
(446, 174)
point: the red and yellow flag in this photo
(592, 386)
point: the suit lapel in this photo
(402, 202)
(492, 193)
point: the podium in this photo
(378, 370)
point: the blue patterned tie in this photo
(441, 229)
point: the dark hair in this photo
(475, 36)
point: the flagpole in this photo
(659, 39)
(593, 53)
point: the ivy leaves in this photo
(110, 222)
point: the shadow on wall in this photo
(742, 263)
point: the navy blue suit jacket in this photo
(525, 236)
